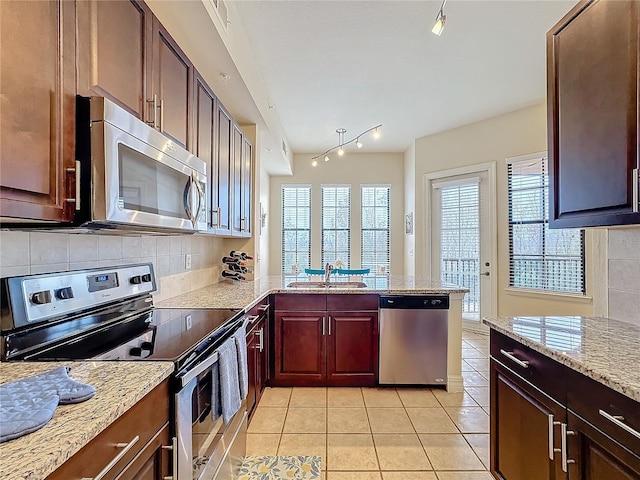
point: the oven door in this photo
(144, 184)
(207, 449)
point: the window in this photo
(375, 227)
(296, 227)
(540, 258)
(336, 224)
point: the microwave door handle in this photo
(187, 199)
(200, 194)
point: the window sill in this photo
(569, 297)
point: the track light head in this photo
(314, 163)
(358, 143)
(326, 158)
(441, 19)
(341, 151)
(376, 133)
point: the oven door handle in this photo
(198, 369)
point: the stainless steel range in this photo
(108, 314)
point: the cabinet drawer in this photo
(143, 420)
(260, 307)
(301, 302)
(543, 372)
(352, 302)
(587, 398)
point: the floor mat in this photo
(281, 467)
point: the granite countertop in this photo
(119, 385)
(603, 349)
(247, 294)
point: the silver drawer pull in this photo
(565, 456)
(510, 356)
(125, 448)
(264, 308)
(619, 421)
(174, 457)
(252, 318)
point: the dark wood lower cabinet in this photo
(152, 463)
(522, 427)
(300, 348)
(352, 348)
(596, 456)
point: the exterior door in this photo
(461, 239)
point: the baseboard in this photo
(455, 383)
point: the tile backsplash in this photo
(23, 253)
(624, 274)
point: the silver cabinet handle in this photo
(214, 224)
(323, 326)
(125, 448)
(261, 336)
(161, 116)
(634, 188)
(552, 425)
(565, 460)
(154, 105)
(264, 308)
(219, 213)
(510, 356)
(174, 457)
(329, 322)
(619, 421)
(253, 318)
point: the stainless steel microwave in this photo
(130, 176)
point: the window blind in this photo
(336, 225)
(296, 227)
(374, 233)
(540, 258)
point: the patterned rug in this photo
(281, 468)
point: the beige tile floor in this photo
(384, 433)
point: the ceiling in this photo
(355, 64)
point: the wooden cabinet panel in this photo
(222, 178)
(592, 79)
(172, 71)
(145, 420)
(300, 302)
(350, 302)
(252, 360)
(152, 463)
(236, 182)
(596, 456)
(520, 429)
(37, 110)
(352, 348)
(246, 176)
(114, 53)
(300, 347)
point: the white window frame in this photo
(388, 229)
(347, 261)
(283, 229)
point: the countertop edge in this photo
(599, 376)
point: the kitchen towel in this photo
(241, 346)
(27, 405)
(216, 408)
(230, 401)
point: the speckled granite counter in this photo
(602, 349)
(119, 385)
(246, 294)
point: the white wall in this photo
(493, 140)
(263, 252)
(624, 274)
(410, 207)
(354, 169)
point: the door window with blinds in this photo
(540, 258)
(336, 225)
(375, 228)
(460, 239)
(296, 227)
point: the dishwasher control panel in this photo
(440, 302)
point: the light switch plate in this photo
(187, 261)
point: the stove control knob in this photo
(64, 293)
(135, 352)
(136, 280)
(40, 298)
(146, 277)
(146, 346)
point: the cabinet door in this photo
(595, 456)
(114, 53)
(37, 110)
(236, 175)
(523, 430)
(203, 143)
(246, 186)
(352, 348)
(172, 85)
(222, 178)
(252, 350)
(152, 463)
(592, 81)
(300, 348)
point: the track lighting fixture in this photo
(342, 143)
(441, 18)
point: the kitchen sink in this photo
(327, 285)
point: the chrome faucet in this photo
(327, 272)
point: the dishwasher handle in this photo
(415, 302)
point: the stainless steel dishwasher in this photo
(413, 339)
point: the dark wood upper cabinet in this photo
(236, 175)
(114, 53)
(592, 107)
(222, 178)
(172, 84)
(37, 110)
(246, 176)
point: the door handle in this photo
(485, 274)
(329, 322)
(565, 460)
(154, 104)
(187, 200)
(261, 336)
(323, 326)
(619, 421)
(200, 193)
(125, 448)
(174, 458)
(512, 357)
